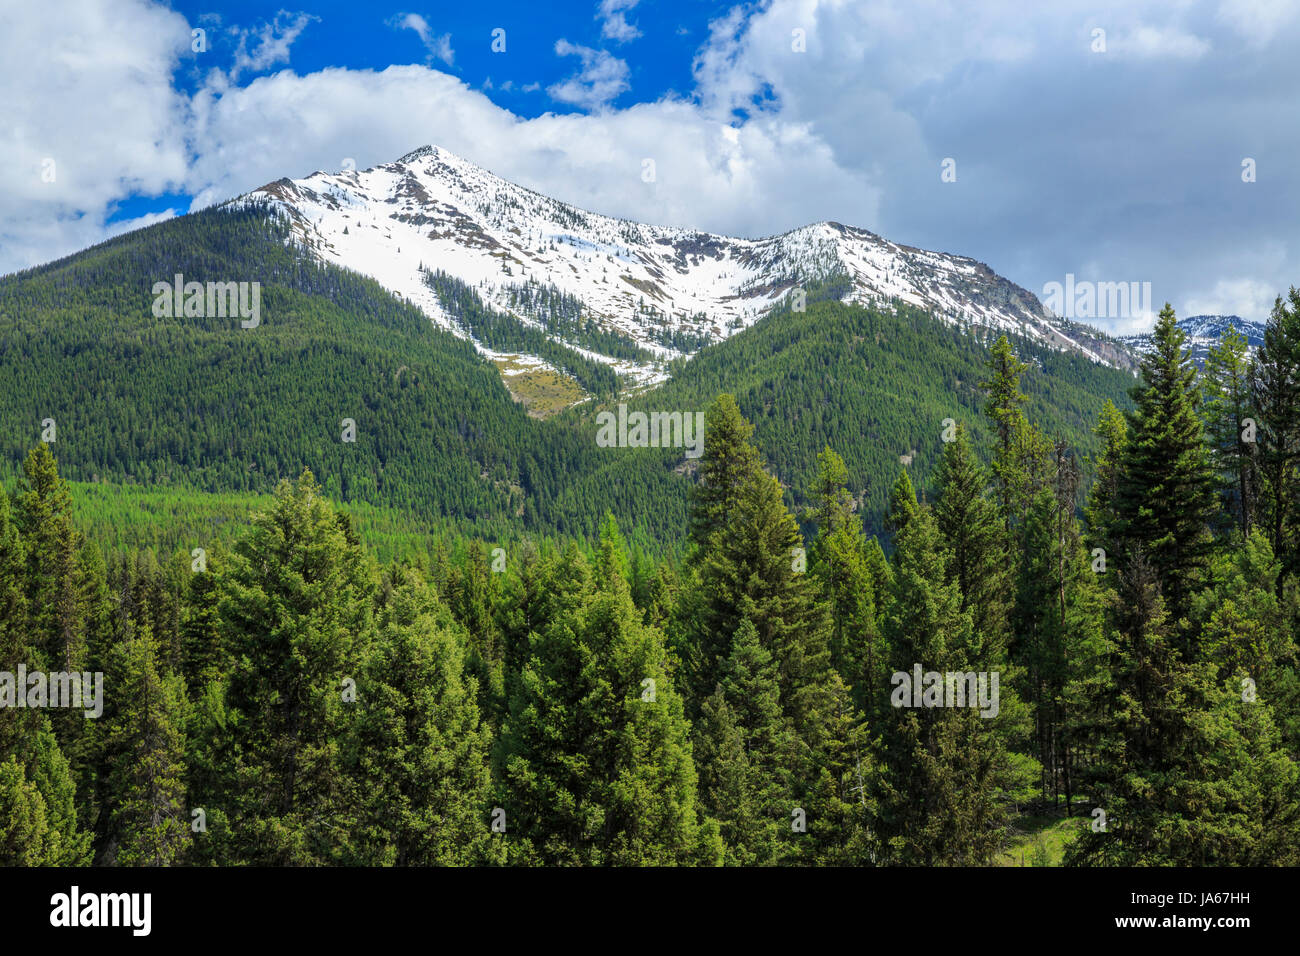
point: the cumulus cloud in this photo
(602, 77)
(1247, 297)
(91, 116)
(762, 178)
(613, 17)
(268, 45)
(438, 45)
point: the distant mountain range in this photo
(1203, 332)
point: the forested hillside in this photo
(876, 385)
(200, 404)
(291, 700)
(204, 403)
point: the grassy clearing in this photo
(1038, 839)
(543, 392)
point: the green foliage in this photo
(1165, 494)
(682, 688)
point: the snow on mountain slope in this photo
(1203, 332)
(433, 210)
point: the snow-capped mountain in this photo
(1204, 332)
(668, 290)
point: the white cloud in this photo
(271, 43)
(438, 45)
(87, 97)
(613, 17)
(1159, 43)
(761, 178)
(1259, 21)
(1244, 296)
(602, 77)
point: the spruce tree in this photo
(595, 757)
(968, 522)
(1276, 397)
(939, 791)
(1230, 427)
(150, 821)
(295, 611)
(53, 571)
(1004, 408)
(729, 459)
(1112, 431)
(839, 563)
(1188, 771)
(743, 721)
(417, 751)
(1165, 500)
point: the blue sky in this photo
(1100, 139)
(458, 39)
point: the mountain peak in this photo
(436, 152)
(664, 290)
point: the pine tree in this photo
(1230, 428)
(742, 721)
(24, 831)
(842, 815)
(940, 766)
(150, 823)
(295, 612)
(596, 762)
(1276, 397)
(204, 655)
(417, 753)
(840, 565)
(38, 800)
(52, 545)
(729, 459)
(1165, 497)
(1188, 772)
(968, 522)
(1112, 431)
(753, 570)
(1004, 408)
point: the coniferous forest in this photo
(732, 692)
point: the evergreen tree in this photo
(742, 721)
(939, 766)
(728, 461)
(839, 563)
(1165, 497)
(1230, 427)
(295, 612)
(38, 797)
(596, 762)
(1112, 431)
(1276, 397)
(1004, 408)
(418, 750)
(968, 522)
(150, 825)
(1188, 772)
(52, 545)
